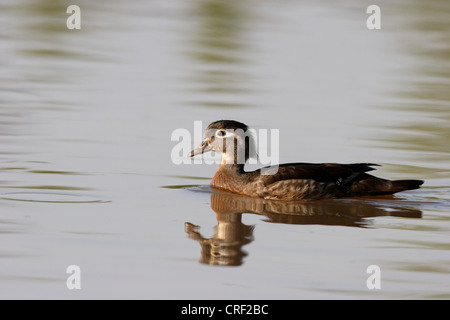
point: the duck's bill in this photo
(204, 147)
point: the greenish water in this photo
(86, 176)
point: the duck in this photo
(289, 181)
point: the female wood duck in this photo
(291, 181)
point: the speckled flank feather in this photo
(300, 189)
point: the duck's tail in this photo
(403, 185)
(374, 186)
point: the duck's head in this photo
(233, 139)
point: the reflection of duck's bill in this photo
(347, 211)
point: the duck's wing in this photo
(298, 181)
(340, 174)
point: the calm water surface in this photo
(86, 176)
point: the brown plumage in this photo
(291, 181)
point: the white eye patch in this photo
(223, 134)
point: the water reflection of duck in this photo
(292, 181)
(225, 247)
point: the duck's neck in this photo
(234, 169)
(229, 177)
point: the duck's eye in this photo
(221, 133)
